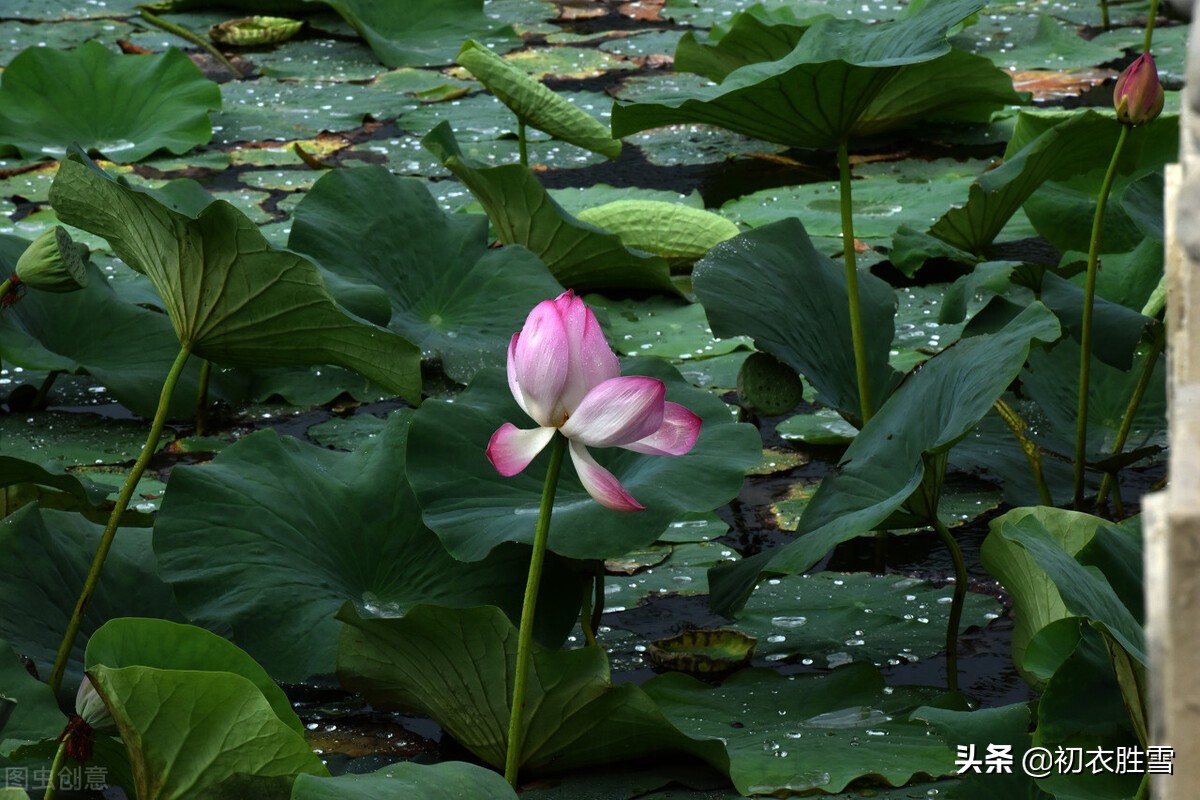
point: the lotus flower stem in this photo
(1017, 425)
(956, 607)
(512, 761)
(1151, 18)
(1149, 361)
(110, 530)
(59, 757)
(1089, 297)
(1104, 14)
(202, 397)
(5, 288)
(184, 33)
(850, 257)
(39, 400)
(522, 144)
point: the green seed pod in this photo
(767, 385)
(53, 263)
(250, 31)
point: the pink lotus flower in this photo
(564, 375)
(1138, 95)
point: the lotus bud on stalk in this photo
(90, 718)
(1138, 96)
(53, 263)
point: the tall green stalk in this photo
(55, 767)
(110, 530)
(956, 606)
(1151, 18)
(1017, 425)
(516, 733)
(522, 144)
(202, 398)
(1148, 363)
(851, 260)
(1089, 298)
(6, 286)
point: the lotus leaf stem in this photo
(59, 757)
(5, 288)
(956, 607)
(850, 257)
(1104, 22)
(114, 519)
(516, 734)
(1149, 361)
(184, 33)
(522, 144)
(1089, 297)
(202, 397)
(39, 400)
(1018, 427)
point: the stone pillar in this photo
(1172, 517)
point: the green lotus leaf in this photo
(844, 79)
(580, 256)
(680, 234)
(202, 735)
(428, 33)
(305, 529)
(936, 407)
(162, 644)
(232, 299)
(534, 104)
(789, 735)
(457, 299)
(449, 780)
(122, 106)
(457, 666)
(800, 299)
(757, 34)
(473, 509)
(44, 558)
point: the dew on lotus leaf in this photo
(806, 662)
(945, 600)
(775, 639)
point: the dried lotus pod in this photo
(250, 31)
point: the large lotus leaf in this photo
(44, 558)
(1084, 591)
(1123, 327)
(458, 665)
(474, 509)
(579, 255)
(427, 33)
(231, 297)
(162, 644)
(1082, 696)
(831, 618)
(536, 105)
(790, 735)
(844, 79)
(1036, 598)
(450, 294)
(936, 407)
(802, 313)
(16, 470)
(1008, 725)
(449, 780)
(303, 530)
(757, 34)
(200, 735)
(122, 106)
(1063, 208)
(36, 716)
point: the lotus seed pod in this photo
(767, 385)
(1138, 96)
(53, 263)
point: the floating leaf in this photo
(931, 411)
(580, 256)
(251, 31)
(791, 735)
(324, 528)
(473, 509)
(449, 293)
(800, 298)
(232, 298)
(125, 107)
(536, 105)
(449, 780)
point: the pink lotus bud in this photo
(1138, 96)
